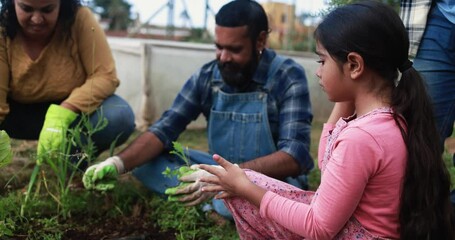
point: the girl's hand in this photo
(230, 180)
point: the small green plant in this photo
(6, 227)
(64, 165)
(189, 222)
(179, 172)
(178, 150)
(8, 215)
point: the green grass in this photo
(448, 159)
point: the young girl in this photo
(382, 171)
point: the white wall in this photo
(152, 72)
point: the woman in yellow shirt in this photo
(55, 66)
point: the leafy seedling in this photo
(178, 150)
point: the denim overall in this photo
(435, 61)
(238, 130)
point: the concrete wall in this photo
(152, 72)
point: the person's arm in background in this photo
(147, 146)
(339, 110)
(97, 61)
(96, 57)
(277, 165)
(294, 109)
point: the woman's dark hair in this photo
(244, 13)
(10, 25)
(376, 32)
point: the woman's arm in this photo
(97, 61)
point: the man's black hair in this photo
(240, 13)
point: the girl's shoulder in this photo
(379, 116)
(381, 128)
(378, 121)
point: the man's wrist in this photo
(118, 163)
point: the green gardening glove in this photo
(54, 130)
(6, 154)
(103, 176)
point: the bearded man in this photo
(257, 107)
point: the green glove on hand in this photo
(54, 130)
(103, 176)
(6, 154)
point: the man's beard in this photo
(237, 76)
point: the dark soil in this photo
(124, 228)
(15, 177)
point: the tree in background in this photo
(304, 41)
(117, 11)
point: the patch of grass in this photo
(314, 177)
(448, 160)
(449, 152)
(194, 139)
(190, 222)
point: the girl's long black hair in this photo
(9, 24)
(376, 32)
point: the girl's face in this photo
(37, 18)
(331, 76)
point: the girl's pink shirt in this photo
(362, 178)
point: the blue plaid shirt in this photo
(414, 14)
(288, 106)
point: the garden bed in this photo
(128, 212)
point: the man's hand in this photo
(189, 190)
(54, 130)
(103, 176)
(228, 179)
